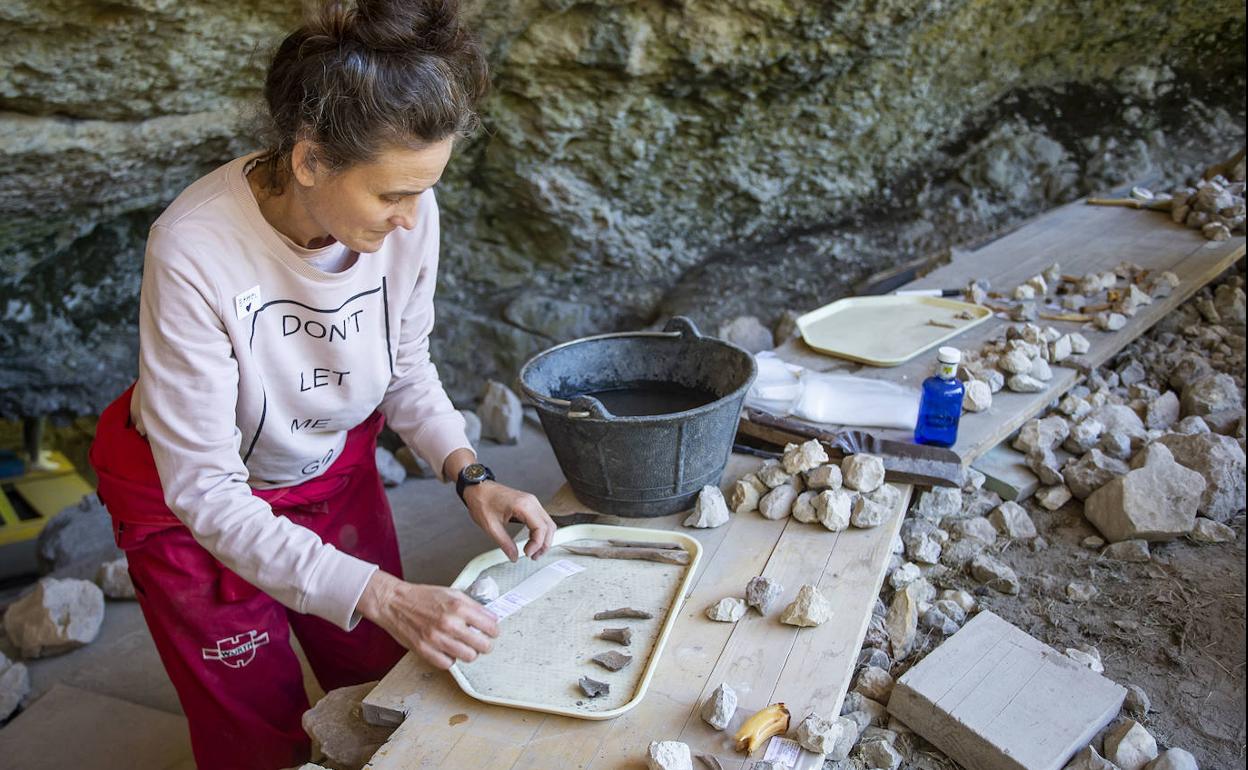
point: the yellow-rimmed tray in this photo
(543, 649)
(887, 330)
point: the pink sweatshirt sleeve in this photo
(187, 394)
(415, 405)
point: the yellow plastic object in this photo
(589, 532)
(887, 330)
(43, 492)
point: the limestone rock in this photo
(1135, 551)
(1040, 370)
(56, 617)
(472, 427)
(389, 468)
(778, 503)
(710, 510)
(1045, 433)
(1089, 759)
(1011, 520)
(1110, 322)
(1044, 463)
(762, 593)
(1121, 419)
(114, 579)
(1210, 531)
(810, 608)
(1054, 497)
(1129, 746)
(834, 507)
(719, 707)
(1163, 411)
(1173, 759)
(824, 477)
(939, 503)
(501, 414)
(1086, 655)
(1156, 501)
(875, 683)
(1209, 394)
(337, 728)
(483, 590)
(902, 621)
(669, 755)
(79, 537)
(727, 610)
(879, 755)
(923, 541)
(1091, 472)
(1024, 383)
(1084, 435)
(904, 575)
(935, 620)
(1137, 702)
(977, 396)
(1015, 361)
(1115, 444)
(1081, 592)
(863, 472)
(995, 574)
(745, 493)
(804, 507)
(806, 456)
(772, 474)
(14, 686)
(747, 332)
(978, 528)
(818, 734)
(871, 510)
(1220, 461)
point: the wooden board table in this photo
(1082, 239)
(762, 659)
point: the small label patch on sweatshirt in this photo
(246, 303)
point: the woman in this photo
(286, 306)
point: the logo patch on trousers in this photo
(237, 651)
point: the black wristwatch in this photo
(470, 476)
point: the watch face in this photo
(474, 472)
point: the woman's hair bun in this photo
(392, 26)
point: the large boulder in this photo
(1155, 501)
(77, 540)
(1220, 460)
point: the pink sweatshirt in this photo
(253, 365)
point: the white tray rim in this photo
(805, 321)
(590, 532)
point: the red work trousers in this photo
(224, 643)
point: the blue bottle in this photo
(941, 406)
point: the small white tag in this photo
(532, 588)
(247, 302)
(782, 751)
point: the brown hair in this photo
(357, 76)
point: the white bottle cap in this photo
(949, 355)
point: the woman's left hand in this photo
(492, 505)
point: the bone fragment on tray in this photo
(622, 635)
(593, 688)
(623, 612)
(484, 589)
(664, 556)
(645, 544)
(613, 660)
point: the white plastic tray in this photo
(647, 657)
(887, 330)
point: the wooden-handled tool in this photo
(903, 462)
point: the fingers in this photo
(481, 619)
(494, 529)
(434, 656)
(527, 510)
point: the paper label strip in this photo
(532, 588)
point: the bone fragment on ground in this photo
(613, 660)
(623, 613)
(661, 555)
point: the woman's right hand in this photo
(442, 625)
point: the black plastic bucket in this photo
(644, 465)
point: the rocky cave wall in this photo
(639, 158)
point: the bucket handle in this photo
(683, 326)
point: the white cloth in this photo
(834, 399)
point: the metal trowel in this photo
(903, 462)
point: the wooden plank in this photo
(763, 658)
(994, 698)
(1082, 239)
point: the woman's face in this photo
(361, 204)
